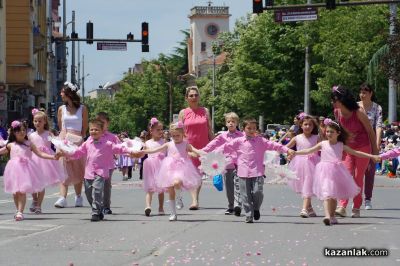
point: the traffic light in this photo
(129, 36)
(51, 109)
(74, 35)
(145, 48)
(330, 4)
(258, 6)
(145, 33)
(89, 32)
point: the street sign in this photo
(301, 14)
(111, 46)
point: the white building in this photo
(206, 22)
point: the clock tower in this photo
(206, 22)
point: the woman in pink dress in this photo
(198, 132)
(73, 123)
(362, 138)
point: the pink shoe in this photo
(19, 216)
(334, 220)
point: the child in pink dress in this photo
(304, 166)
(177, 170)
(52, 172)
(332, 180)
(21, 174)
(152, 165)
(394, 153)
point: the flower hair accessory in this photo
(153, 121)
(15, 124)
(34, 111)
(179, 124)
(71, 86)
(336, 89)
(301, 115)
(328, 121)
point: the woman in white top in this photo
(73, 123)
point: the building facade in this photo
(3, 94)
(206, 22)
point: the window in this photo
(203, 46)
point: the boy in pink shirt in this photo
(230, 177)
(248, 152)
(99, 153)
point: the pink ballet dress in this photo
(304, 166)
(332, 179)
(21, 173)
(151, 166)
(178, 166)
(52, 172)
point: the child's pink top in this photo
(249, 152)
(358, 134)
(108, 136)
(152, 144)
(41, 141)
(220, 140)
(98, 155)
(390, 154)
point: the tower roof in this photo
(207, 11)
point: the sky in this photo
(116, 18)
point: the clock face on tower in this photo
(212, 30)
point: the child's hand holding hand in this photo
(136, 154)
(192, 154)
(291, 153)
(376, 158)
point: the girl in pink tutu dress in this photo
(52, 172)
(22, 174)
(177, 170)
(152, 165)
(304, 165)
(332, 180)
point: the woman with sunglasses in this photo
(198, 131)
(362, 138)
(374, 113)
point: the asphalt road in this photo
(204, 237)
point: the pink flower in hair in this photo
(336, 89)
(179, 124)
(153, 121)
(15, 124)
(34, 111)
(328, 121)
(302, 115)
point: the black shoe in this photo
(237, 211)
(256, 215)
(229, 212)
(107, 211)
(147, 211)
(95, 218)
(101, 216)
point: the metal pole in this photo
(49, 92)
(213, 95)
(79, 65)
(392, 84)
(83, 78)
(73, 76)
(307, 78)
(64, 65)
(170, 98)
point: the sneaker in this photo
(78, 201)
(38, 210)
(179, 203)
(237, 211)
(61, 203)
(32, 207)
(95, 218)
(249, 220)
(311, 212)
(333, 220)
(101, 216)
(107, 211)
(355, 213)
(173, 217)
(147, 211)
(368, 205)
(341, 211)
(326, 221)
(229, 211)
(257, 215)
(18, 216)
(204, 177)
(304, 213)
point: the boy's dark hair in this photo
(313, 121)
(13, 130)
(343, 95)
(103, 116)
(248, 120)
(97, 122)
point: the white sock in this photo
(172, 206)
(178, 194)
